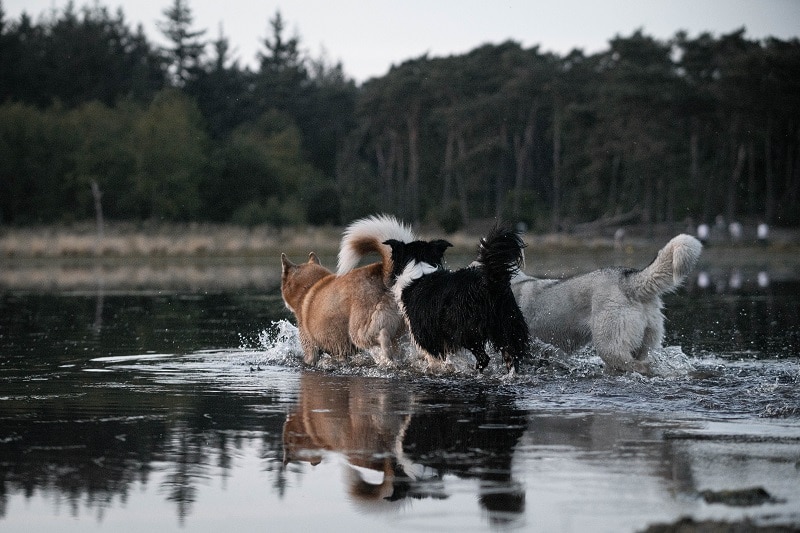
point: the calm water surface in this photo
(158, 410)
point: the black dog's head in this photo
(431, 252)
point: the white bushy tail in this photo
(367, 235)
(669, 269)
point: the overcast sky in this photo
(368, 36)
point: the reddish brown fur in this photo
(366, 245)
(351, 421)
(339, 314)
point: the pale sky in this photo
(369, 36)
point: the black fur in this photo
(466, 308)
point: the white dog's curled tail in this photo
(367, 235)
(669, 269)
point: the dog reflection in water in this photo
(365, 423)
(395, 448)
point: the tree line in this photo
(649, 130)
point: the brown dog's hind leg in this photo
(310, 350)
(386, 348)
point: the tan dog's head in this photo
(297, 279)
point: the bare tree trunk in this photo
(694, 150)
(738, 167)
(708, 195)
(660, 206)
(447, 169)
(555, 222)
(98, 211)
(793, 174)
(461, 186)
(671, 203)
(769, 179)
(613, 207)
(400, 200)
(519, 170)
(751, 178)
(383, 173)
(694, 161)
(499, 197)
(647, 201)
(413, 162)
(522, 154)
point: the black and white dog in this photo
(448, 310)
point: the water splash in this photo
(667, 362)
(277, 345)
(670, 362)
(701, 383)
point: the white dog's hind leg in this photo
(653, 336)
(617, 335)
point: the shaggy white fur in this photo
(618, 310)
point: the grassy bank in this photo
(126, 240)
(217, 257)
(162, 240)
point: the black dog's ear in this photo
(440, 245)
(393, 243)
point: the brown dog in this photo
(354, 309)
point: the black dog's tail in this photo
(500, 254)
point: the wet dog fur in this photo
(618, 310)
(354, 308)
(467, 308)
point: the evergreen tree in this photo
(222, 91)
(186, 49)
(282, 78)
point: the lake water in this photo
(184, 406)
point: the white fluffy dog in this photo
(618, 310)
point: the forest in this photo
(92, 113)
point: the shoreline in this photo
(193, 240)
(204, 257)
(721, 265)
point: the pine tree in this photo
(184, 54)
